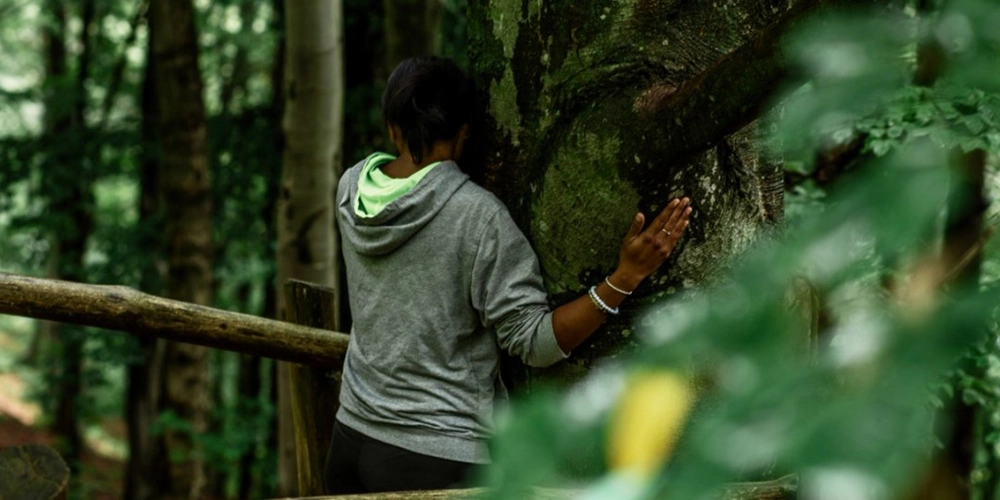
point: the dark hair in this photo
(429, 98)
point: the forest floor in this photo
(102, 472)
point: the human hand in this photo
(643, 251)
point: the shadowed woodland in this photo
(827, 328)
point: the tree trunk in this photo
(950, 474)
(411, 29)
(365, 73)
(962, 258)
(68, 185)
(584, 129)
(307, 241)
(269, 214)
(142, 393)
(57, 123)
(186, 195)
(234, 85)
(249, 390)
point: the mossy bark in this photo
(577, 139)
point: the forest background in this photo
(77, 140)
(82, 197)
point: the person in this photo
(440, 279)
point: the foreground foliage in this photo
(853, 413)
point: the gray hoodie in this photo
(439, 282)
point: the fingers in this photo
(676, 225)
(676, 233)
(680, 212)
(664, 216)
(673, 228)
(647, 246)
(636, 226)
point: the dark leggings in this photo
(357, 463)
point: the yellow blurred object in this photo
(648, 421)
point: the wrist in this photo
(625, 280)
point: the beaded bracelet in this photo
(600, 303)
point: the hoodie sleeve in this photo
(507, 291)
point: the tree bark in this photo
(411, 29)
(186, 193)
(58, 122)
(313, 124)
(581, 134)
(249, 390)
(68, 185)
(142, 392)
(269, 214)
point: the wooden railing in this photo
(310, 340)
(127, 310)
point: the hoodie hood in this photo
(401, 219)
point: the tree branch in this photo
(124, 309)
(728, 95)
(832, 162)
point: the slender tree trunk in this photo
(186, 195)
(234, 85)
(58, 122)
(252, 367)
(69, 187)
(950, 473)
(588, 107)
(412, 28)
(118, 73)
(313, 124)
(365, 72)
(249, 390)
(963, 248)
(142, 396)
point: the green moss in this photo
(503, 105)
(534, 9)
(506, 17)
(583, 209)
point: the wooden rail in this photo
(124, 309)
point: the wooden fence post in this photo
(314, 388)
